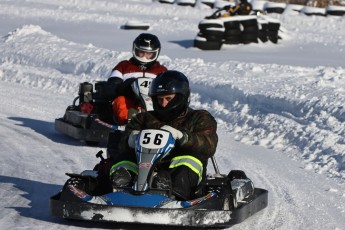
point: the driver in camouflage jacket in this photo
(193, 130)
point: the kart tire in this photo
(273, 36)
(212, 35)
(229, 25)
(212, 32)
(264, 27)
(128, 27)
(208, 45)
(209, 24)
(262, 35)
(232, 40)
(249, 22)
(166, 2)
(335, 12)
(185, 4)
(278, 10)
(213, 38)
(273, 26)
(247, 38)
(251, 29)
(232, 32)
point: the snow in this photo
(280, 107)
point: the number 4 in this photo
(145, 84)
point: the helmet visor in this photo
(144, 55)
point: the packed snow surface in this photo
(280, 107)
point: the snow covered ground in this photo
(280, 107)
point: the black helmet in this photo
(146, 43)
(170, 82)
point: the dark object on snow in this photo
(186, 2)
(335, 10)
(132, 25)
(240, 29)
(250, 30)
(203, 44)
(167, 1)
(211, 35)
(272, 31)
(309, 10)
(275, 7)
(91, 120)
(220, 200)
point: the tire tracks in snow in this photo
(298, 198)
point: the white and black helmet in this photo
(148, 43)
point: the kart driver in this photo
(194, 131)
(243, 8)
(146, 49)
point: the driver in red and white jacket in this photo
(146, 49)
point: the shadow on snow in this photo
(46, 129)
(184, 43)
(39, 193)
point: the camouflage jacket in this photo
(198, 127)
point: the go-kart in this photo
(91, 119)
(221, 201)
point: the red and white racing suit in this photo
(127, 70)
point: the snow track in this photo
(292, 190)
(284, 104)
(292, 123)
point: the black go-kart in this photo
(90, 117)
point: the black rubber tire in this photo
(251, 29)
(335, 12)
(264, 26)
(166, 2)
(274, 26)
(208, 45)
(271, 33)
(278, 10)
(316, 14)
(205, 26)
(212, 35)
(247, 38)
(234, 32)
(249, 22)
(232, 25)
(273, 39)
(185, 4)
(273, 36)
(263, 36)
(126, 27)
(232, 40)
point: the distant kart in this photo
(220, 201)
(91, 120)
